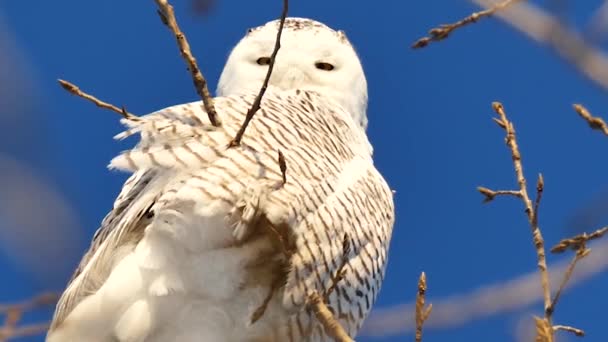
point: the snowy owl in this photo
(207, 243)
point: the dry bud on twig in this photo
(579, 241)
(594, 122)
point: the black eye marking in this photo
(263, 61)
(324, 66)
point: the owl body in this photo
(208, 242)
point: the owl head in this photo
(312, 57)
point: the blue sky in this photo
(430, 124)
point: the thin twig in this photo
(330, 324)
(317, 302)
(340, 271)
(422, 312)
(167, 16)
(74, 90)
(530, 209)
(491, 194)
(594, 122)
(575, 331)
(258, 100)
(442, 32)
(580, 254)
(46, 298)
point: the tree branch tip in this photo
(575, 331)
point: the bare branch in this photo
(594, 122)
(442, 32)
(511, 141)
(74, 90)
(422, 312)
(258, 100)
(167, 15)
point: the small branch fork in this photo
(530, 208)
(596, 123)
(258, 100)
(442, 32)
(422, 312)
(167, 15)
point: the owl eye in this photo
(324, 66)
(263, 61)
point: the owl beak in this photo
(289, 76)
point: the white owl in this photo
(205, 243)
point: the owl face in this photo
(312, 57)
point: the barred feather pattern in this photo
(191, 197)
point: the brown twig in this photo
(442, 32)
(317, 302)
(594, 122)
(580, 254)
(167, 15)
(74, 90)
(258, 100)
(422, 312)
(340, 271)
(330, 324)
(578, 242)
(530, 209)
